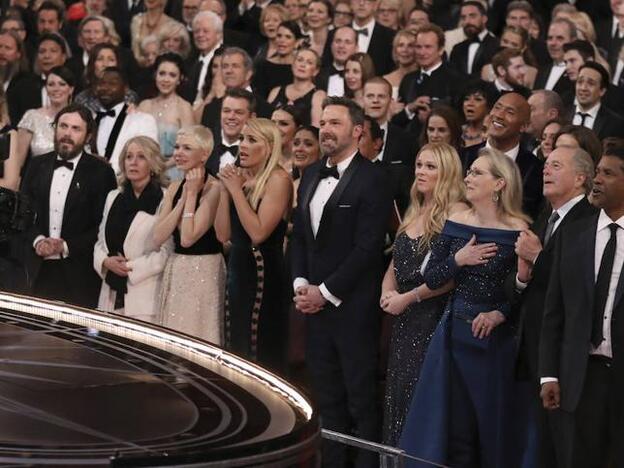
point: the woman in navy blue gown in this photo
(463, 413)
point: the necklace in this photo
(162, 106)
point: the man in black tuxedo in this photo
(344, 43)
(231, 37)
(471, 55)
(580, 356)
(239, 105)
(236, 73)
(373, 38)
(122, 15)
(435, 80)
(552, 77)
(510, 68)
(568, 175)
(589, 110)
(520, 13)
(337, 248)
(610, 33)
(23, 89)
(509, 118)
(545, 106)
(68, 188)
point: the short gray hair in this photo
(584, 165)
(247, 61)
(212, 17)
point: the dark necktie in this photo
(363, 32)
(475, 40)
(584, 116)
(551, 226)
(422, 77)
(601, 290)
(329, 172)
(62, 163)
(106, 113)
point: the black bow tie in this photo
(329, 172)
(364, 31)
(106, 113)
(335, 71)
(232, 149)
(62, 163)
(475, 40)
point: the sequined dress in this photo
(256, 321)
(40, 125)
(465, 410)
(193, 291)
(411, 333)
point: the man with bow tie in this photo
(337, 263)
(344, 43)
(67, 188)
(374, 38)
(115, 126)
(469, 56)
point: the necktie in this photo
(601, 290)
(363, 32)
(584, 116)
(329, 172)
(106, 113)
(422, 77)
(551, 226)
(62, 163)
(475, 40)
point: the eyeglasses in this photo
(476, 172)
(343, 13)
(15, 30)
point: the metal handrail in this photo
(389, 457)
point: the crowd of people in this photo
(425, 198)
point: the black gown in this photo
(411, 333)
(269, 75)
(255, 319)
(302, 104)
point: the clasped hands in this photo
(49, 246)
(393, 302)
(233, 177)
(308, 299)
(118, 264)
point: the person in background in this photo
(150, 22)
(35, 132)
(404, 57)
(436, 194)
(52, 52)
(477, 102)
(214, 87)
(174, 37)
(390, 14)
(170, 110)
(319, 17)
(343, 14)
(547, 143)
(125, 256)
(442, 126)
(256, 202)
(271, 17)
(288, 120)
(359, 69)
(193, 290)
(306, 151)
(575, 136)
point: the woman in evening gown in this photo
(252, 215)
(463, 413)
(437, 192)
(193, 292)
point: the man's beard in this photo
(68, 154)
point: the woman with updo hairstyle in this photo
(255, 204)
(102, 56)
(359, 68)
(306, 150)
(193, 291)
(442, 126)
(436, 194)
(125, 255)
(468, 372)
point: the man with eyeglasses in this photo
(373, 38)
(17, 26)
(343, 45)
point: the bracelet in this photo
(417, 294)
(188, 215)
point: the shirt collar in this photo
(567, 206)
(74, 160)
(593, 112)
(482, 34)
(502, 86)
(224, 141)
(342, 165)
(512, 153)
(429, 71)
(368, 26)
(604, 221)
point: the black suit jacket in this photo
(608, 123)
(380, 47)
(530, 169)
(211, 117)
(346, 254)
(92, 180)
(567, 323)
(533, 297)
(459, 55)
(564, 86)
(23, 93)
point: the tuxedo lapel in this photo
(112, 139)
(74, 193)
(599, 123)
(307, 198)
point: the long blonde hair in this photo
(449, 189)
(510, 196)
(267, 131)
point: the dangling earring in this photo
(495, 197)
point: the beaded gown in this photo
(193, 291)
(466, 409)
(256, 322)
(411, 333)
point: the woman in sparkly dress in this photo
(252, 215)
(436, 193)
(193, 291)
(463, 412)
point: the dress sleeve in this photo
(442, 266)
(28, 121)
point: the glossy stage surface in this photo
(82, 388)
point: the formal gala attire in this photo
(39, 124)
(127, 229)
(256, 315)
(411, 333)
(463, 411)
(68, 197)
(337, 243)
(193, 292)
(582, 339)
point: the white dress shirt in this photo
(473, 48)
(363, 39)
(322, 194)
(556, 72)
(335, 83)
(105, 128)
(590, 119)
(615, 29)
(205, 61)
(59, 187)
(512, 153)
(229, 157)
(618, 72)
(45, 99)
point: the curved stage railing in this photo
(85, 388)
